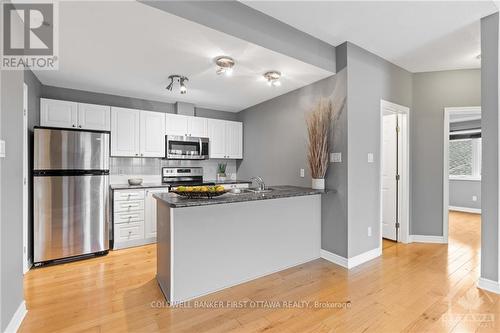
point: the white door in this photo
(152, 133)
(234, 139)
(25, 180)
(54, 113)
(150, 212)
(197, 127)
(389, 182)
(125, 128)
(217, 138)
(94, 117)
(176, 124)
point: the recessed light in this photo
(225, 65)
(273, 78)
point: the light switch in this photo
(474, 198)
(370, 157)
(2, 148)
(302, 173)
(335, 157)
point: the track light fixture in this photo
(182, 83)
(273, 78)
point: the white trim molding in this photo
(334, 258)
(465, 209)
(351, 262)
(489, 285)
(17, 318)
(428, 239)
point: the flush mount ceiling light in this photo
(273, 78)
(224, 65)
(182, 83)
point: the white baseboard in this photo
(334, 258)
(364, 257)
(17, 318)
(465, 209)
(427, 239)
(351, 262)
(489, 285)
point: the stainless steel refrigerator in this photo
(70, 193)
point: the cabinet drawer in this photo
(128, 195)
(128, 206)
(127, 217)
(129, 231)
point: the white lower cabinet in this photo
(134, 217)
(150, 212)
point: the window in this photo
(465, 159)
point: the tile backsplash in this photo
(152, 166)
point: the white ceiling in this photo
(129, 49)
(419, 36)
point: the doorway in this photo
(26, 263)
(394, 169)
(462, 163)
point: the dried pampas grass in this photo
(319, 122)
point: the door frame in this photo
(446, 176)
(404, 184)
(25, 248)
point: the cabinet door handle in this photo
(73, 125)
(142, 154)
(80, 126)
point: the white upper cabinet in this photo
(125, 129)
(226, 139)
(152, 133)
(217, 138)
(137, 133)
(65, 114)
(92, 116)
(234, 140)
(197, 127)
(176, 124)
(54, 113)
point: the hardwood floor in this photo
(413, 288)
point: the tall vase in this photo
(318, 184)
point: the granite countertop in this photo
(176, 201)
(151, 185)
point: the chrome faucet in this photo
(260, 181)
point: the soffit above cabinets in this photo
(129, 49)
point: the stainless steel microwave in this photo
(185, 147)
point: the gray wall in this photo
(432, 92)
(369, 79)
(11, 193)
(461, 192)
(489, 114)
(236, 19)
(82, 96)
(274, 144)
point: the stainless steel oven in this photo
(186, 147)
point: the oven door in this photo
(185, 148)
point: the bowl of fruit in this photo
(199, 192)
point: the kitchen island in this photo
(205, 245)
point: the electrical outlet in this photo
(335, 157)
(302, 173)
(369, 231)
(474, 198)
(370, 157)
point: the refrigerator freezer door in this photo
(56, 149)
(70, 216)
